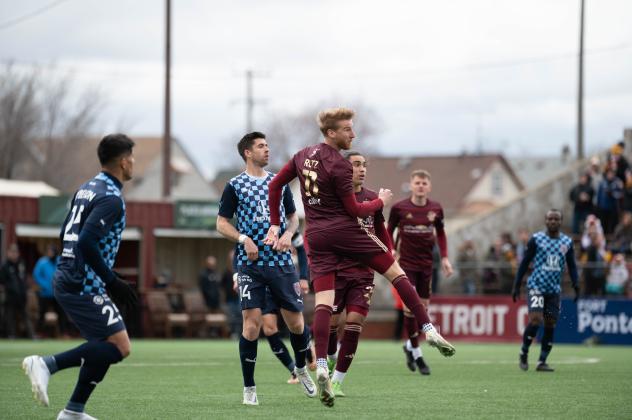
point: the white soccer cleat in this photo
(37, 371)
(325, 393)
(250, 395)
(436, 340)
(66, 414)
(309, 387)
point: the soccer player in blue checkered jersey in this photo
(550, 251)
(261, 267)
(85, 285)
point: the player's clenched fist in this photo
(385, 195)
(273, 236)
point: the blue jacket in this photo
(43, 275)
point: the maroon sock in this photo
(413, 331)
(332, 347)
(348, 346)
(322, 318)
(411, 299)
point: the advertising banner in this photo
(498, 318)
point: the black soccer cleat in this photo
(524, 363)
(410, 361)
(424, 369)
(543, 367)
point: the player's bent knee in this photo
(268, 330)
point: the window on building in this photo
(497, 183)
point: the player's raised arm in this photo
(529, 254)
(275, 188)
(342, 174)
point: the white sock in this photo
(409, 346)
(338, 376)
(333, 357)
(416, 351)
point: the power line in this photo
(12, 22)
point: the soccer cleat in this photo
(66, 414)
(250, 395)
(436, 340)
(309, 387)
(524, 363)
(410, 361)
(293, 379)
(543, 367)
(337, 388)
(37, 371)
(331, 366)
(424, 369)
(325, 393)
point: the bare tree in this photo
(289, 132)
(41, 122)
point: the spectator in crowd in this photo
(13, 278)
(508, 264)
(491, 279)
(209, 282)
(595, 266)
(618, 161)
(608, 195)
(229, 286)
(595, 172)
(43, 276)
(468, 266)
(592, 225)
(617, 276)
(521, 246)
(627, 192)
(581, 195)
(623, 235)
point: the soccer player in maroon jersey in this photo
(417, 218)
(333, 232)
(354, 287)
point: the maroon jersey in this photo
(324, 176)
(416, 226)
(348, 267)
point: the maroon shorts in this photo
(353, 291)
(327, 248)
(421, 279)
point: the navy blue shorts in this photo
(547, 303)
(281, 281)
(96, 316)
(270, 306)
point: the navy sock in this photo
(90, 375)
(529, 334)
(97, 350)
(300, 345)
(248, 357)
(308, 354)
(280, 351)
(547, 343)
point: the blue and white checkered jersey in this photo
(97, 208)
(550, 255)
(247, 196)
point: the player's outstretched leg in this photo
(37, 371)
(281, 352)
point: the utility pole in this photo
(250, 98)
(580, 88)
(166, 135)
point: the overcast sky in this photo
(444, 76)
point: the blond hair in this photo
(328, 118)
(421, 173)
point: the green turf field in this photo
(202, 380)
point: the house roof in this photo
(453, 177)
(26, 188)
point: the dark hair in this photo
(554, 210)
(113, 146)
(247, 141)
(350, 153)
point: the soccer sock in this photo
(300, 345)
(280, 351)
(322, 317)
(529, 333)
(413, 330)
(101, 350)
(248, 357)
(332, 346)
(547, 343)
(338, 376)
(410, 298)
(349, 345)
(308, 355)
(96, 363)
(416, 351)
